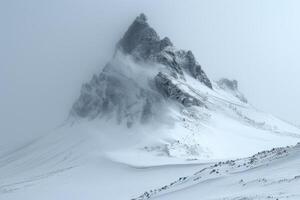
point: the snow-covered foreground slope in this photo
(71, 163)
(150, 116)
(273, 174)
(75, 163)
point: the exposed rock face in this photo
(143, 43)
(226, 83)
(188, 62)
(232, 87)
(117, 89)
(141, 40)
(172, 91)
(111, 93)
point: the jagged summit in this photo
(143, 43)
(141, 18)
(141, 40)
(133, 92)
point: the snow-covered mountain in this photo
(149, 81)
(151, 116)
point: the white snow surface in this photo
(100, 159)
(103, 159)
(273, 174)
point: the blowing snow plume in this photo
(140, 76)
(148, 81)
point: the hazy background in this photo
(48, 48)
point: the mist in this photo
(49, 48)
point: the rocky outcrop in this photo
(110, 94)
(141, 40)
(188, 62)
(172, 91)
(231, 86)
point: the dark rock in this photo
(188, 62)
(143, 43)
(172, 91)
(111, 92)
(141, 40)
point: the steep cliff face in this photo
(118, 89)
(143, 43)
(170, 90)
(141, 40)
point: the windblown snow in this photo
(153, 125)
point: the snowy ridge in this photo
(220, 170)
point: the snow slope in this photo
(150, 116)
(71, 163)
(273, 174)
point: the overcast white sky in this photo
(49, 48)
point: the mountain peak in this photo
(140, 40)
(143, 43)
(142, 18)
(134, 89)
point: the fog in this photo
(49, 48)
